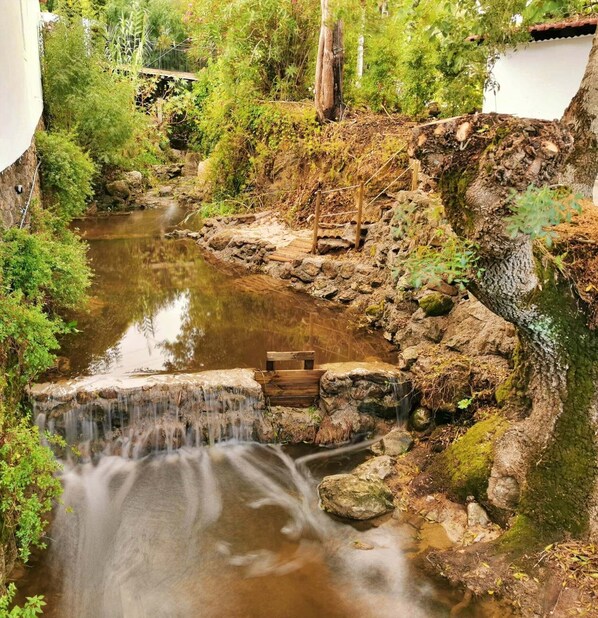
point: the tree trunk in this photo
(581, 117)
(329, 68)
(545, 466)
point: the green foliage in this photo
(416, 53)
(67, 174)
(538, 209)
(28, 486)
(84, 98)
(45, 271)
(40, 275)
(268, 43)
(33, 606)
(141, 30)
(454, 262)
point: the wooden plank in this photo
(298, 355)
(295, 402)
(294, 376)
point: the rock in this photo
(409, 356)
(376, 469)
(330, 269)
(308, 270)
(165, 190)
(436, 304)
(118, 188)
(350, 497)
(476, 515)
(378, 389)
(421, 419)
(346, 270)
(347, 296)
(294, 425)
(134, 179)
(476, 331)
(327, 292)
(395, 443)
(220, 241)
(342, 425)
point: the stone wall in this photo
(21, 172)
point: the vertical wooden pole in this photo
(314, 244)
(359, 215)
(414, 175)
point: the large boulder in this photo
(350, 497)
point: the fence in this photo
(359, 201)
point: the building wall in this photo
(539, 80)
(20, 106)
(21, 100)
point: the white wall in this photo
(21, 100)
(539, 80)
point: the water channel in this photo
(232, 530)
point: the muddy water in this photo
(158, 305)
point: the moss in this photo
(465, 466)
(453, 187)
(560, 485)
(436, 304)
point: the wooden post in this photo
(414, 175)
(314, 244)
(359, 215)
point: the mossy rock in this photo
(466, 464)
(436, 304)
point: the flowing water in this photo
(226, 531)
(181, 529)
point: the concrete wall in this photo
(539, 80)
(21, 100)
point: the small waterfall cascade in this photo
(133, 416)
(229, 530)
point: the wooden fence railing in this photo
(359, 203)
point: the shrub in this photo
(45, 271)
(67, 174)
(28, 486)
(84, 98)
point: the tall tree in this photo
(329, 67)
(546, 465)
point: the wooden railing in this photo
(359, 202)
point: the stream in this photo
(231, 530)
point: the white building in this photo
(539, 79)
(21, 100)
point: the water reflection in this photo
(158, 305)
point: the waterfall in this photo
(135, 416)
